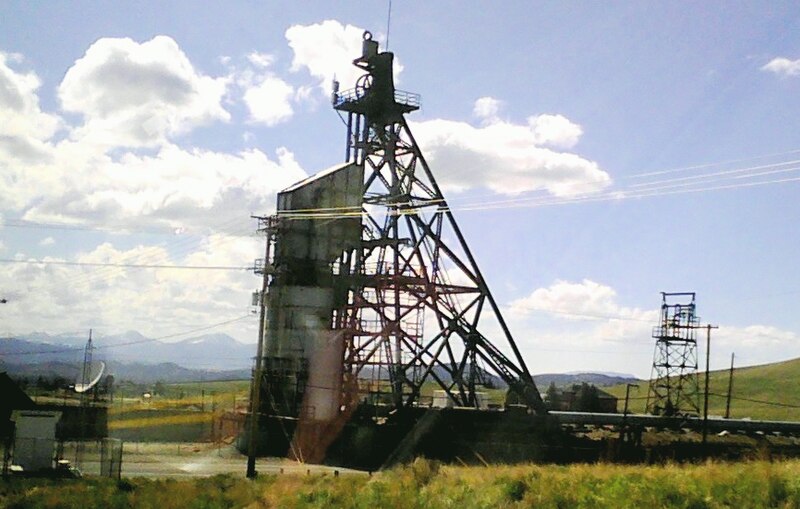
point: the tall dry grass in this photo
(427, 484)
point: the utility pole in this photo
(705, 400)
(255, 387)
(730, 390)
(624, 429)
(627, 396)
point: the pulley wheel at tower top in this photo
(362, 85)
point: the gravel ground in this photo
(181, 460)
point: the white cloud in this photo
(24, 127)
(327, 50)
(24, 132)
(581, 326)
(755, 344)
(267, 97)
(584, 324)
(555, 131)
(260, 59)
(78, 180)
(195, 188)
(47, 241)
(783, 66)
(130, 96)
(587, 300)
(139, 94)
(509, 158)
(487, 108)
(152, 301)
(269, 102)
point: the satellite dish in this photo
(96, 370)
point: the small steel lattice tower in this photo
(674, 387)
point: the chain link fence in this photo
(46, 456)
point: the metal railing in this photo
(673, 333)
(400, 97)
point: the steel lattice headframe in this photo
(420, 304)
(674, 388)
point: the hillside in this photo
(544, 380)
(768, 391)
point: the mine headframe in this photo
(416, 303)
(674, 388)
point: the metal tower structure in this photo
(372, 295)
(674, 387)
(84, 401)
(420, 306)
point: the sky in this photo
(594, 154)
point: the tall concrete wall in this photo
(319, 220)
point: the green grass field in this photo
(425, 484)
(183, 413)
(222, 390)
(778, 383)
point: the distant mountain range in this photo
(129, 356)
(134, 372)
(132, 356)
(209, 351)
(543, 381)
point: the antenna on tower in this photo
(388, 24)
(86, 372)
(82, 389)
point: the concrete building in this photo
(35, 439)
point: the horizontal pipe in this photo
(715, 424)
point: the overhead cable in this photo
(126, 265)
(129, 343)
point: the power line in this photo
(582, 351)
(612, 195)
(639, 190)
(142, 257)
(760, 401)
(148, 256)
(88, 228)
(724, 173)
(113, 229)
(153, 255)
(579, 315)
(126, 265)
(711, 165)
(538, 200)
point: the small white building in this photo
(35, 438)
